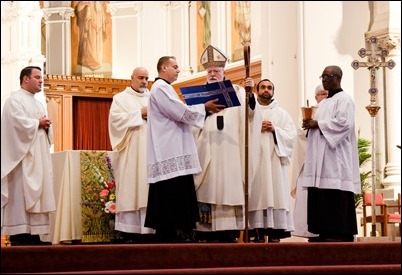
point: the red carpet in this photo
(241, 258)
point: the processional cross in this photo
(375, 61)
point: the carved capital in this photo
(129, 8)
(16, 9)
(65, 13)
(166, 4)
(392, 43)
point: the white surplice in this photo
(269, 191)
(128, 136)
(27, 195)
(171, 122)
(325, 167)
(297, 190)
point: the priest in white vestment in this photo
(220, 145)
(27, 196)
(269, 191)
(128, 136)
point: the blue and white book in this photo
(202, 93)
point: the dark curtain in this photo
(90, 124)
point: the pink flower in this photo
(112, 208)
(104, 193)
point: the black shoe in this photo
(26, 239)
(228, 240)
(35, 240)
(332, 238)
(340, 239)
(185, 236)
(317, 239)
(274, 240)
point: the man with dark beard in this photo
(269, 202)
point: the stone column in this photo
(58, 42)
(21, 43)
(385, 25)
(126, 34)
(392, 113)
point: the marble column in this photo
(58, 42)
(385, 25)
(21, 43)
(392, 113)
(126, 34)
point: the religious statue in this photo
(91, 20)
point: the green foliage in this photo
(363, 146)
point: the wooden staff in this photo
(246, 51)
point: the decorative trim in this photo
(16, 9)
(133, 7)
(390, 43)
(65, 13)
(83, 86)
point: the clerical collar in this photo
(333, 92)
(162, 79)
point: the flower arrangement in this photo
(107, 194)
(98, 196)
(99, 186)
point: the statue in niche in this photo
(91, 39)
(91, 20)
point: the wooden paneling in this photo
(60, 91)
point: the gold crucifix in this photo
(375, 61)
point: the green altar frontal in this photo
(97, 197)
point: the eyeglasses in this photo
(326, 76)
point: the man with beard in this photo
(128, 135)
(269, 207)
(220, 145)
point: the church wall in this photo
(333, 38)
(279, 52)
(155, 36)
(128, 44)
(298, 40)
